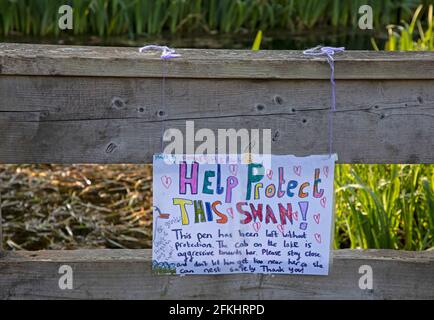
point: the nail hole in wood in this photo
(278, 99)
(260, 107)
(118, 103)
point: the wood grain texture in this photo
(50, 60)
(126, 274)
(121, 120)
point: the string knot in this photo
(166, 52)
(324, 51)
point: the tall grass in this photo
(385, 206)
(411, 36)
(151, 17)
(401, 37)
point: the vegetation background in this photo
(95, 206)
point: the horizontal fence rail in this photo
(126, 274)
(49, 60)
(104, 105)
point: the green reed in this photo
(152, 17)
(411, 36)
(402, 37)
(385, 206)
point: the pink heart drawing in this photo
(316, 218)
(257, 226)
(280, 227)
(166, 181)
(297, 170)
(317, 237)
(270, 174)
(295, 215)
(326, 171)
(323, 202)
(233, 168)
(230, 211)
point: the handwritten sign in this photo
(243, 218)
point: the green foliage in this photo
(151, 17)
(257, 43)
(385, 206)
(402, 37)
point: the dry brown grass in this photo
(78, 206)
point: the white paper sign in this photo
(243, 218)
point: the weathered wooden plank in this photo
(126, 274)
(25, 59)
(38, 98)
(121, 120)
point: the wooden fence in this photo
(104, 105)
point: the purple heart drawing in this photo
(233, 168)
(230, 211)
(166, 181)
(257, 226)
(326, 171)
(323, 202)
